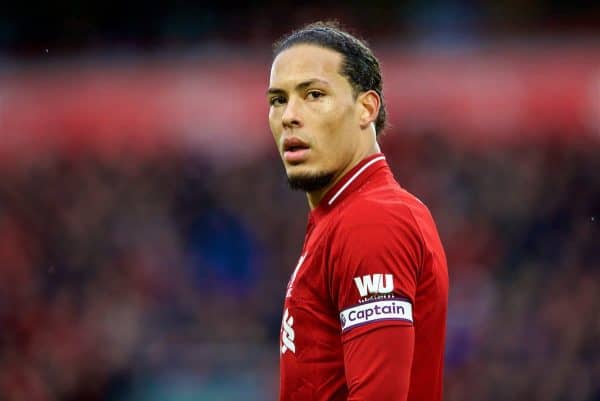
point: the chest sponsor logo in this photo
(374, 284)
(288, 335)
(374, 311)
(293, 277)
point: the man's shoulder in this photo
(380, 228)
(389, 206)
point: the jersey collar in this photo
(352, 180)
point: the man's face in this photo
(312, 115)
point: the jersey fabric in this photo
(364, 315)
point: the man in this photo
(365, 307)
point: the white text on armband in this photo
(376, 311)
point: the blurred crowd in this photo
(141, 26)
(161, 276)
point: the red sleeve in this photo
(375, 265)
(378, 364)
(373, 284)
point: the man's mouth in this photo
(295, 150)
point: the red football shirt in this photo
(365, 309)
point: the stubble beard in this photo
(310, 182)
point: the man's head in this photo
(326, 104)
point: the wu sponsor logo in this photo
(374, 284)
(287, 333)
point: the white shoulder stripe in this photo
(359, 172)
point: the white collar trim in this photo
(359, 172)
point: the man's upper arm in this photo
(373, 282)
(378, 364)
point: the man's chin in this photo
(308, 182)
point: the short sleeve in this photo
(374, 266)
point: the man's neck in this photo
(315, 197)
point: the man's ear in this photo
(369, 103)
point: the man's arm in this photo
(378, 364)
(376, 260)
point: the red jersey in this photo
(365, 309)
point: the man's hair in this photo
(359, 65)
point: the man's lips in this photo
(295, 150)
(295, 156)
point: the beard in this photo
(310, 182)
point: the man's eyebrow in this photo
(275, 91)
(301, 86)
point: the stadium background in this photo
(147, 232)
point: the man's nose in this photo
(291, 116)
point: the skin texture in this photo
(309, 100)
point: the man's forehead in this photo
(305, 62)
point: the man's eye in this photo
(314, 95)
(277, 101)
